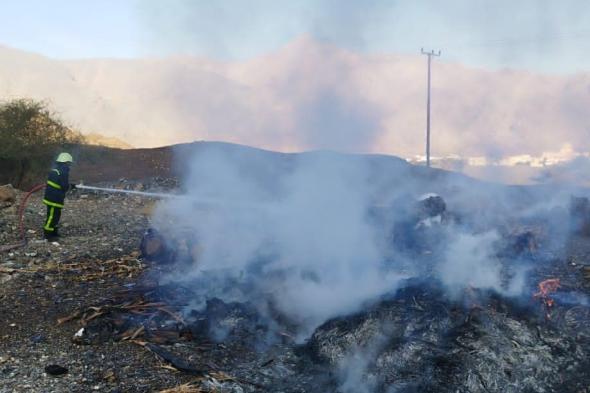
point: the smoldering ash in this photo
(297, 233)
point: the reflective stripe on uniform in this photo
(48, 226)
(58, 173)
(49, 203)
(54, 185)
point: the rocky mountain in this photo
(309, 95)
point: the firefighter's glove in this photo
(72, 186)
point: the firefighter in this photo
(55, 193)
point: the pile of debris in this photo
(130, 315)
(150, 316)
(415, 339)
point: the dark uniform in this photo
(58, 183)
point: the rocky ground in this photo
(45, 281)
(415, 340)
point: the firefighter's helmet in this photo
(64, 157)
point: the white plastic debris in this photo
(429, 222)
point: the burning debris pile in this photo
(546, 288)
(141, 318)
(323, 275)
(405, 296)
(420, 342)
(415, 339)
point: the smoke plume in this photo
(296, 231)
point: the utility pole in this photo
(429, 54)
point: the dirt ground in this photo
(35, 292)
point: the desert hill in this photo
(308, 95)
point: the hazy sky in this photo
(543, 35)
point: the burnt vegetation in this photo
(418, 337)
(213, 327)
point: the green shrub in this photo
(31, 135)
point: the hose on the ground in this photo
(21, 222)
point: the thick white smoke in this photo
(298, 230)
(470, 263)
(312, 226)
(353, 369)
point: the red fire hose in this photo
(21, 221)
